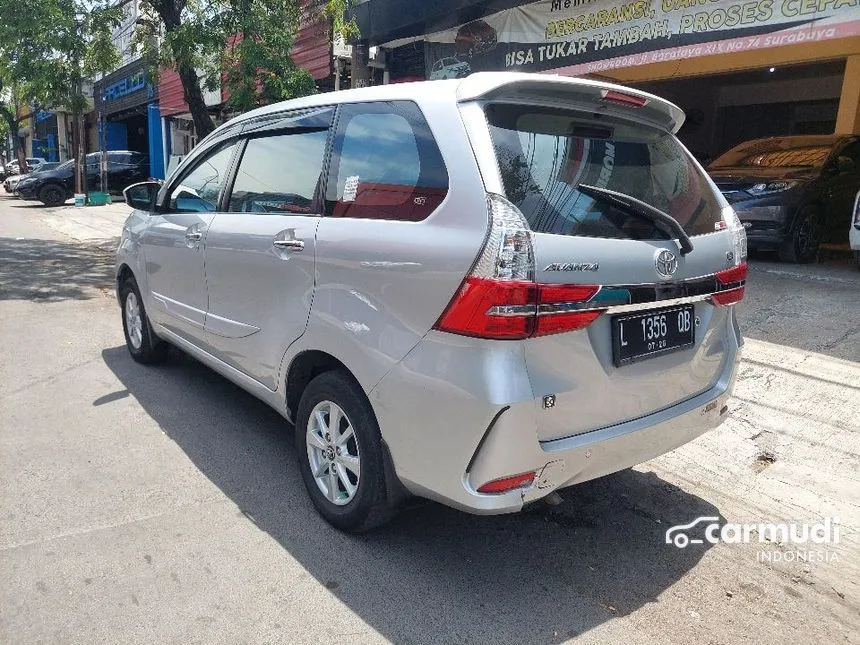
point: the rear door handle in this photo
(290, 245)
(193, 236)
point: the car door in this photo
(173, 243)
(117, 171)
(260, 252)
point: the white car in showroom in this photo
(854, 231)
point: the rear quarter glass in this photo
(385, 164)
(545, 153)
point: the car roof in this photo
(476, 86)
(800, 140)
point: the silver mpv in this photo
(477, 291)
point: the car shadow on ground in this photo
(434, 574)
(29, 204)
(49, 270)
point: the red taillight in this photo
(730, 297)
(505, 484)
(736, 275)
(630, 100)
(560, 323)
(468, 314)
(553, 318)
(515, 309)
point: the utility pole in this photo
(360, 68)
(102, 146)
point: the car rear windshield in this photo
(774, 153)
(544, 154)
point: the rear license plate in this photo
(658, 331)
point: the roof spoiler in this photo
(562, 91)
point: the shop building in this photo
(127, 114)
(740, 70)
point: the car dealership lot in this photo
(165, 505)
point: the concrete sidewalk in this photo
(98, 226)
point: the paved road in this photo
(164, 505)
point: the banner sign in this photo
(125, 86)
(585, 36)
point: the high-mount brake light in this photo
(630, 100)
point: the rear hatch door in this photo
(660, 340)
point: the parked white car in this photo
(854, 231)
(449, 68)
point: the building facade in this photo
(740, 70)
(127, 114)
(126, 109)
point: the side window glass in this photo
(385, 164)
(279, 174)
(197, 192)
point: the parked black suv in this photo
(54, 187)
(791, 193)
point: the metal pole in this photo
(102, 147)
(80, 172)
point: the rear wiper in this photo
(661, 220)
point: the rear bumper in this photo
(765, 238)
(448, 433)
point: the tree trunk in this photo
(203, 124)
(20, 150)
(170, 14)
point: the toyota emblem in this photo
(666, 264)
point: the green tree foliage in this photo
(46, 48)
(245, 43)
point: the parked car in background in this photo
(56, 186)
(854, 231)
(791, 193)
(10, 184)
(449, 67)
(479, 319)
(13, 170)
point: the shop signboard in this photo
(575, 37)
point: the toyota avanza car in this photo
(477, 291)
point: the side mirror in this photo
(142, 196)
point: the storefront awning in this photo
(382, 21)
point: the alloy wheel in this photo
(807, 236)
(133, 320)
(333, 453)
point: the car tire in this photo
(143, 345)
(801, 247)
(351, 451)
(52, 195)
(857, 258)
